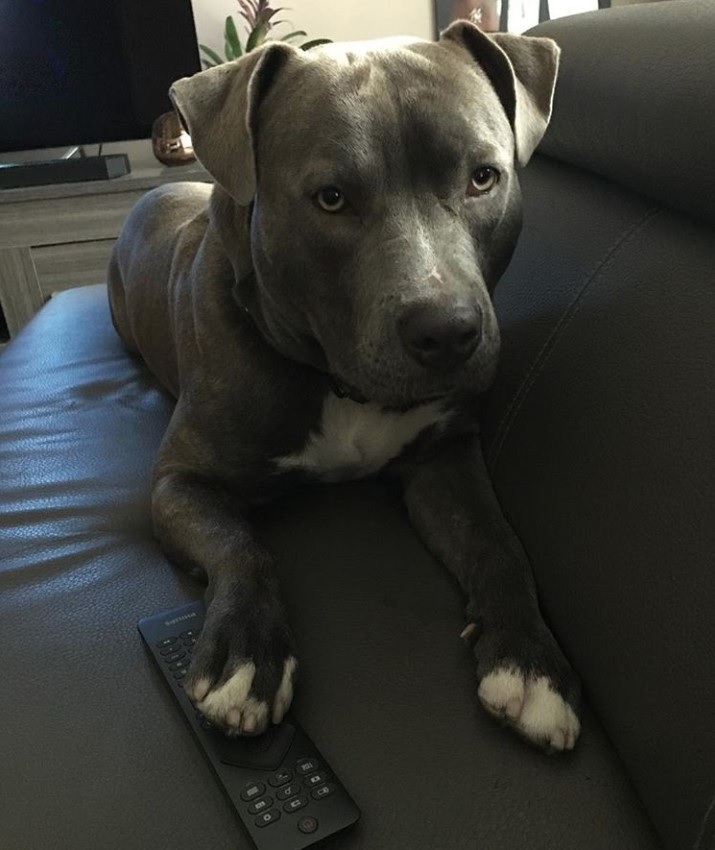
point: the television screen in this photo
(77, 72)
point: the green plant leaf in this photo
(205, 64)
(212, 55)
(291, 35)
(315, 43)
(232, 40)
(257, 37)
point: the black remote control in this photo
(280, 785)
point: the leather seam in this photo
(703, 826)
(552, 340)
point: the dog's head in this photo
(381, 179)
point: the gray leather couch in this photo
(600, 433)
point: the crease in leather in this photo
(698, 845)
(542, 357)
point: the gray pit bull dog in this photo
(323, 313)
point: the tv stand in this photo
(60, 236)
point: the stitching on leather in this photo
(547, 348)
(703, 827)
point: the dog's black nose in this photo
(442, 336)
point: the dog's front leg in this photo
(522, 674)
(243, 666)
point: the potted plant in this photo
(260, 25)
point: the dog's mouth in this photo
(344, 390)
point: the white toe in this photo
(546, 716)
(225, 703)
(532, 705)
(254, 717)
(502, 692)
(200, 689)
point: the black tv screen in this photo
(78, 72)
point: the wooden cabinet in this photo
(57, 237)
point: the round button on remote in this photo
(308, 824)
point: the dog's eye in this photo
(330, 199)
(483, 180)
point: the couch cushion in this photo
(93, 752)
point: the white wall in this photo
(341, 20)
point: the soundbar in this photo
(105, 167)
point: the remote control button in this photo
(308, 824)
(190, 633)
(324, 791)
(166, 642)
(179, 674)
(288, 791)
(252, 790)
(174, 656)
(179, 665)
(189, 641)
(260, 805)
(280, 778)
(271, 816)
(315, 779)
(167, 650)
(295, 804)
(304, 766)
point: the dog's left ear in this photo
(522, 69)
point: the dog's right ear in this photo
(219, 108)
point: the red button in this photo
(308, 824)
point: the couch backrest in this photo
(600, 429)
(636, 100)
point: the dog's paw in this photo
(234, 706)
(525, 681)
(532, 706)
(242, 673)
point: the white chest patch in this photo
(355, 440)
